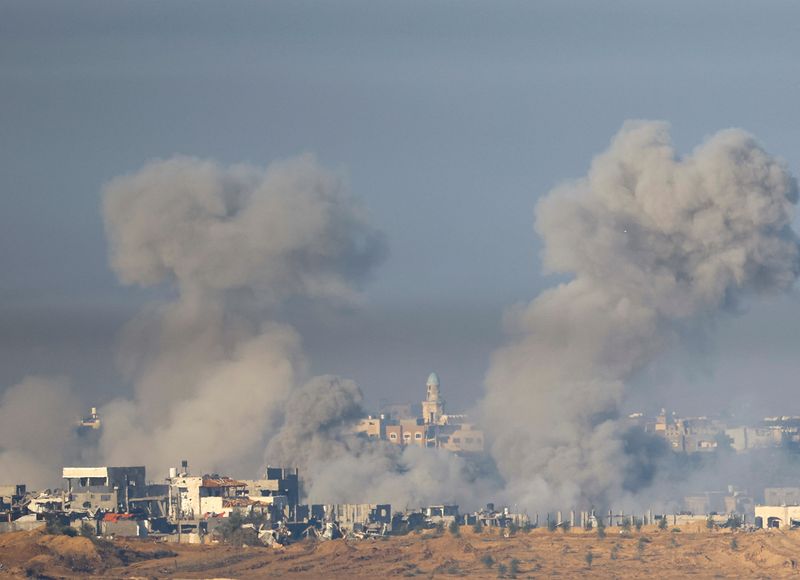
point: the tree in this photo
(454, 528)
(513, 568)
(601, 528)
(551, 525)
(477, 527)
(662, 523)
(710, 523)
(626, 524)
(637, 522)
(589, 557)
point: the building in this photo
(434, 428)
(372, 427)
(92, 421)
(193, 497)
(462, 437)
(106, 488)
(411, 432)
(433, 405)
(775, 516)
(782, 496)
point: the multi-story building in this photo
(434, 428)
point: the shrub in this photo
(589, 557)
(501, 570)
(477, 527)
(56, 527)
(601, 528)
(710, 523)
(89, 531)
(551, 525)
(565, 526)
(734, 544)
(640, 547)
(487, 560)
(626, 524)
(232, 532)
(34, 569)
(637, 522)
(662, 523)
(614, 551)
(734, 521)
(454, 528)
(513, 528)
(513, 568)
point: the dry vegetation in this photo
(668, 554)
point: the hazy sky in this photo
(450, 119)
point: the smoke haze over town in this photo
(241, 234)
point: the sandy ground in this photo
(665, 554)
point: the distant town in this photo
(188, 507)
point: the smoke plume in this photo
(212, 368)
(37, 431)
(656, 246)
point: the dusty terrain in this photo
(667, 554)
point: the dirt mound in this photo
(37, 553)
(634, 554)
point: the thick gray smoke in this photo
(654, 244)
(338, 466)
(212, 369)
(37, 431)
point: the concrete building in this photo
(360, 517)
(782, 496)
(434, 428)
(92, 421)
(197, 497)
(411, 432)
(776, 516)
(372, 427)
(461, 438)
(106, 488)
(433, 405)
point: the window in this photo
(392, 435)
(418, 436)
(105, 497)
(468, 439)
(456, 439)
(406, 435)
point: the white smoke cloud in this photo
(654, 243)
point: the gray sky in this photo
(450, 120)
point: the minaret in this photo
(432, 406)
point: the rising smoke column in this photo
(212, 369)
(37, 431)
(217, 380)
(654, 244)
